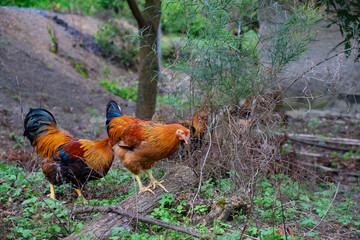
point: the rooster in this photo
(140, 143)
(198, 126)
(66, 158)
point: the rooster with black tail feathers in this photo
(66, 159)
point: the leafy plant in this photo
(202, 209)
(344, 14)
(128, 93)
(207, 188)
(19, 141)
(118, 43)
(54, 47)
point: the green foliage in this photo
(202, 209)
(6, 43)
(181, 17)
(92, 111)
(277, 190)
(348, 19)
(87, 7)
(128, 93)
(80, 68)
(224, 68)
(287, 41)
(164, 211)
(118, 43)
(19, 141)
(106, 71)
(51, 33)
(35, 217)
(207, 189)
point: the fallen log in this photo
(327, 169)
(325, 146)
(142, 218)
(337, 140)
(177, 179)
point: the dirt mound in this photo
(32, 76)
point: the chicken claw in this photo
(147, 189)
(52, 192)
(78, 191)
(155, 182)
(143, 189)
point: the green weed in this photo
(128, 93)
(19, 141)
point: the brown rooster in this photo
(198, 125)
(67, 159)
(142, 143)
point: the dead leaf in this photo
(291, 232)
(280, 231)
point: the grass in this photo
(278, 200)
(128, 93)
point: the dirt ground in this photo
(32, 76)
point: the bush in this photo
(118, 42)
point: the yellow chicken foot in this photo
(80, 195)
(141, 187)
(155, 182)
(52, 192)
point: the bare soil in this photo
(32, 76)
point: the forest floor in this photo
(32, 76)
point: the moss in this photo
(222, 202)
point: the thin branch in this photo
(142, 218)
(304, 73)
(137, 14)
(202, 168)
(327, 210)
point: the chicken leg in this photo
(52, 192)
(154, 182)
(78, 191)
(141, 187)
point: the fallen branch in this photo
(142, 218)
(340, 171)
(321, 145)
(337, 140)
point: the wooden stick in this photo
(309, 137)
(340, 171)
(321, 145)
(140, 217)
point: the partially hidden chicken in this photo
(198, 125)
(66, 159)
(142, 143)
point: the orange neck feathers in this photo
(164, 136)
(47, 143)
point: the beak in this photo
(187, 139)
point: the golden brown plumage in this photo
(142, 143)
(66, 158)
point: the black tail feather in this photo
(113, 110)
(34, 122)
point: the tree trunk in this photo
(178, 179)
(148, 23)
